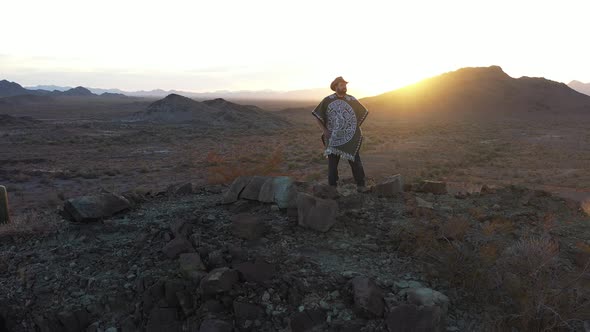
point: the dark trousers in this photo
(357, 169)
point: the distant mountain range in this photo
(580, 87)
(13, 89)
(306, 94)
(481, 91)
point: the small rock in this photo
(215, 325)
(307, 320)
(163, 319)
(216, 259)
(316, 213)
(191, 265)
(185, 189)
(408, 317)
(390, 187)
(176, 247)
(368, 297)
(258, 271)
(434, 187)
(219, 280)
(180, 228)
(421, 203)
(427, 297)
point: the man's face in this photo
(341, 88)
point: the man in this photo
(340, 116)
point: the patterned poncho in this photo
(343, 117)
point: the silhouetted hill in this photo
(580, 87)
(79, 91)
(219, 112)
(8, 89)
(480, 91)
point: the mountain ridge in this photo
(484, 90)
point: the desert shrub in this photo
(524, 283)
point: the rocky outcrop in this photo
(96, 207)
(279, 190)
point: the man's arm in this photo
(324, 129)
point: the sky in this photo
(211, 45)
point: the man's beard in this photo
(341, 91)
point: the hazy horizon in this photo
(266, 45)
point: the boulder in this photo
(248, 226)
(279, 190)
(434, 187)
(216, 259)
(316, 213)
(410, 318)
(74, 320)
(390, 187)
(218, 281)
(180, 189)
(236, 188)
(96, 207)
(368, 297)
(427, 297)
(258, 271)
(176, 247)
(191, 265)
(252, 189)
(307, 320)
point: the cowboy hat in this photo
(336, 81)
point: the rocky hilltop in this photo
(217, 112)
(487, 91)
(271, 254)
